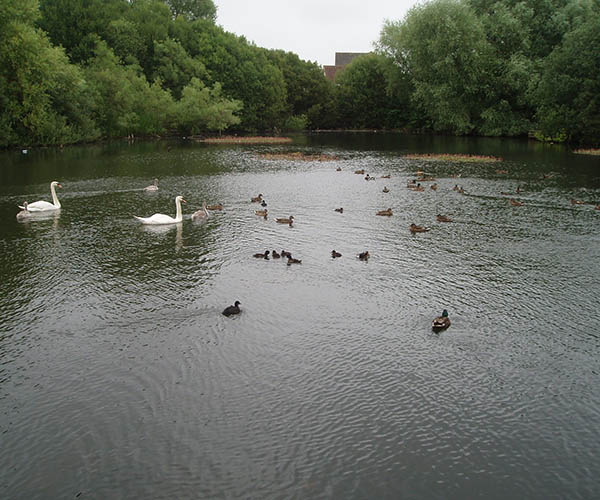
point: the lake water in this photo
(120, 378)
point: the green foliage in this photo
(193, 9)
(296, 123)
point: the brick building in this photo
(342, 59)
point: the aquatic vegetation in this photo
(595, 152)
(299, 156)
(454, 157)
(247, 140)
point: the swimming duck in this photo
(364, 255)
(443, 218)
(387, 212)
(385, 189)
(262, 213)
(418, 187)
(219, 206)
(516, 203)
(263, 203)
(264, 255)
(426, 178)
(411, 183)
(597, 207)
(285, 254)
(441, 322)
(502, 171)
(275, 255)
(283, 220)
(360, 172)
(577, 202)
(339, 169)
(340, 210)
(386, 176)
(433, 186)
(455, 188)
(291, 261)
(234, 309)
(417, 229)
(461, 190)
(200, 215)
(152, 187)
(256, 199)
(335, 254)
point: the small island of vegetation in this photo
(299, 156)
(454, 157)
(247, 140)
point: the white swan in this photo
(202, 214)
(162, 218)
(152, 187)
(43, 206)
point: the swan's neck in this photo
(204, 207)
(54, 197)
(179, 214)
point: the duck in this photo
(256, 199)
(152, 187)
(262, 213)
(387, 212)
(364, 255)
(24, 213)
(218, 206)
(263, 203)
(411, 183)
(461, 190)
(426, 178)
(455, 188)
(44, 206)
(502, 171)
(291, 261)
(339, 169)
(386, 176)
(597, 207)
(340, 210)
(443, 218)
(275, 255)
(418, 187)
(418, 229)
(369, 178)
(441, 322)
(264, 255)
(335, 254)
(285, 254)
(234, 309)
(360, 172)
(202, 214)
(162, 218)
(516, 203)
(433, 187)
(577, 202)
(284, 220)
(385, 189)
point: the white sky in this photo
(313, 29)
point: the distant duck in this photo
(455, 188)
(387, 212)
(262, 213)
(284, 220)
(417, 229)
(152, 187)
(386, 176)
(340, 210)
(256, 199)
(285, 254)
(360, 172)
(516, 203)
(45, 206)
(23, 214)
(215, 207)
(434, 187)
(264, 255)
(577, 202)
(202, 214)
(234, 309)
(418, 187)
(461, 190)
(263, 203)
(291, 261)
(597, 207)
(441, 322)
(335, 254)
(412, 183)
(339, 169)
(504, 193)
(443, 218)
(502, 171)
(385, 189)
(364, 255)
(369, 178)
(275, 255)
(426, 178)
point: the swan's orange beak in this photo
(183, 200)
(59, 185)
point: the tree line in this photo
(82, 70)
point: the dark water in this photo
(119, 377)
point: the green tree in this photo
(193, 9)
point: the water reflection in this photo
(25, 217)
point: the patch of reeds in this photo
(454, 157)
(247, 140)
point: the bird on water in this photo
(234, 309)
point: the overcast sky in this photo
(313, 29)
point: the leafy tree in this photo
(193, 9)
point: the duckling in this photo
(284, 220)
(219, 206)
(386, 176)
(441, 322)
(335, 254)
(291, 261)
(339, 169)
(234, 309)
(433, 187)
(516, 203)
(263, 255)
(340, 210)
(262, 213)
(285, 254)
(387, 212)
(360, 172)
(275, 255)
(256, 199)
(577, 202)
(418, 229)
(364, 255)
(443, 218)
(385, 189)
(263, 203)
